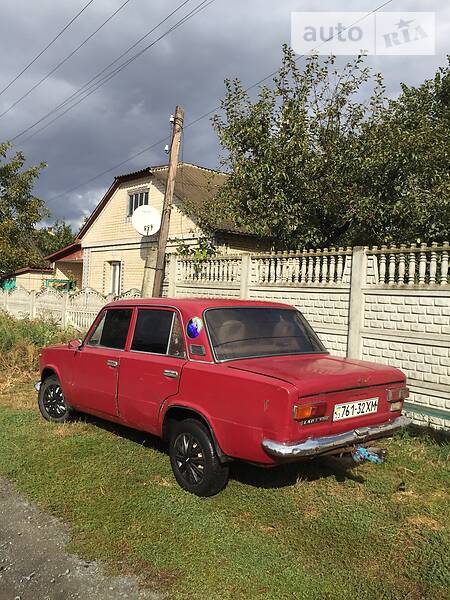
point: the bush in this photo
(21, 339)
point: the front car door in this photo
(150, 370)
(97, 363)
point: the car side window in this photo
(112, 330)
(95, 338)
(158, 332)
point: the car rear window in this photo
(158, 332)
(251, 332)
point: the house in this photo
(109, 255)
(114, 254)
(30, 278)
(64, 272)
(67, 266)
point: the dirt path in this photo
(35, 566)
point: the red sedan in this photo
(220, 380)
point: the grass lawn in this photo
(310, 531)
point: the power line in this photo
(207, 114)
(85, 85)
(90, 89)
(46, 47)
(64, 59)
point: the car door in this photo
(150, 370)
(97, 363)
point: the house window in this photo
(135, 200)
(115, 278)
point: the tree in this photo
(20, 210)
(310, 164)
(53, 238)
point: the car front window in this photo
(112, 329)
(245, 332)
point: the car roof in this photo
(197, 304)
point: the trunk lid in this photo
(320, 373)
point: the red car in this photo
(220, 380)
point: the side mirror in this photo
(75, 344)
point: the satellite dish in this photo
(146, 220)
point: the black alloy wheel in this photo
(194, 459)
(52, 404)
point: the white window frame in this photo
(115, 277)
(145, 200)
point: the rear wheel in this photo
(194, 459)
(52, 404)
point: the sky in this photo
(228, 39)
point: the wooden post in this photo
(168, 197)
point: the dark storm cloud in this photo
(231, 38)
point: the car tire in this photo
(194, 459)
(51, 401)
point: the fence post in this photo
(32, 304)
(172, 287)
(245, 275)
(356, 310)
(64, 309)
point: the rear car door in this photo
(150, 370)
(97, 363)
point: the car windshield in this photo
(252, 332)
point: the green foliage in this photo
(21, 339)
(51, 239)
(199, 253)
(310, 164)
(19, 212)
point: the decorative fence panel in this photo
(50, 304)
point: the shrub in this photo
(21, 339)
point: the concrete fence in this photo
(388, 304)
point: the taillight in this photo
(305, 412)
(396, 396)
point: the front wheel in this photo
(194, 459)
(52, 404)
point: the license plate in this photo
(348, 410)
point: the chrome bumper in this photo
(321, 445)
(37, 386)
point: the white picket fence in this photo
(77, 310)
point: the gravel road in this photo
(34, 564)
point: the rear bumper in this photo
(322, 445)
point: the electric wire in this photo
(36, 85)
(201, 6)
(86, 85)
(59, 34)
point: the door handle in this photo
(171, 374)
(112, 363)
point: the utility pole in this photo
(177, 128)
